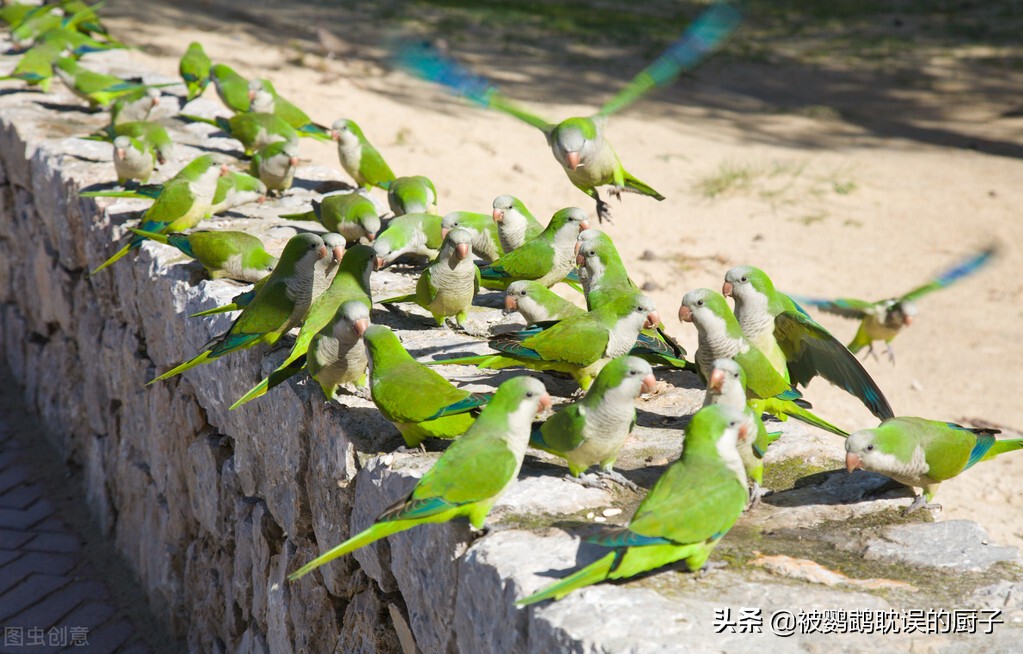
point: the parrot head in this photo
(573, 140)
(504, 204)
(747, 284)
(727, 372)
(345, 131)
(704, 307)
(863, 450)
(457, 244)
(719, 427)
(356, 316)
(900, 314)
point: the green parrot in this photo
(235, 189)
(419, 402)
(183, 202)
(537, 303)
(353, 215)
(132, 160)
(35, 67)
(232, 88)
(280, 304)
(415, 194)
(579, 144)
(884, 319)
(485, 243)
(350, 282)
(263, 98)
(448, 285)
(231, 255)
(152, 134)
(411, 233)
(468, 478)
(592, 430)
(727, 386)
(604, 278)
(580, 345)
(194, 68)
(98, 89)
(134, 107)
(358, 156)
(515, 225)
(253, 131)
(923, 453)
(797, 347)
(690, 508)
(721, 337)
(275, 165)
(547, 259)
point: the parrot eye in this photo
(870, 447)
(699, 303)
(743, 279)
(530, 393)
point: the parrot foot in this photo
(891, 353)
(709, 567)
(870, 353)
(921, 503)
(589, 480)
(618, 478)
(603, 211)
(362, 392)
(756, 494)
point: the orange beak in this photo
(119, 153)
(462, 250)
(649, 383)
(339, 251)
(684, 314)
(743, 433)
(224, 170)
(717, 380)
(361, 325)
(545, 402)
(380, 263)
(293, 162)
(498, 216)
(371, 237)
(652, 320)
(578, 244)
(252, 96)
(907, 320)
(261, 199)
(583, 226)
(726, 289)
(444, 232)
(852, 461)
(510, 304)
(335, 135)
(580, 260)
(573, 160)
(156, 100)
(322, 252)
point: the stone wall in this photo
(214, 507)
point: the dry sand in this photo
(857, 185)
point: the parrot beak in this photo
(583, 226)
(335, 135)
(578, 245)
(498, 216)
(380, 263)
(339, 251)
(580, 260)
(510, 304)
(224, 170)
(717, 380)
(545, 402)
(444, 233)
(156, 100)
(652, 320)
(462, 250)
(361, 325)
(743, 432)
(685, 314)
(649, 383)
(252, 96)
(261, 199)
(726, 289)
(852, 461)
(119, 153)
(322, 252)
(371, 237)
(293, 162)
(573, 160)
(907, 321)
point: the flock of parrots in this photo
(753, 356)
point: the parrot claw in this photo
(587, 481)
(921, 503)
(756, 494)
(891, 353)
(709, 567)
(362, 392)
(618, 478)
(603, 211)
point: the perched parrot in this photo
(153, 134)
(275, 165)
(720, 337)
(604, 278)
(580, 345)
(468, 478)
(35, 67)
(419, 401)
(797, 347)
(579, 144)
(727, 386)
(98, 89)
(415, 194)
(194, 68)
(232, 88)
(592, 430)
(231, 255)
(485, 243)
(884, 319)
(537, 303)
(280, 304)
(263, 98)
(183, 202)
(358, 156)
(133, 159)
(235, 189)
(547, 259)
(350, 283)
(134, 107)
(690, 508)
(515, 225)
(353, 215)
(411, 233)
(923, 453)
(448, 285)
(253, 131)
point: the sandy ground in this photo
(857, 184)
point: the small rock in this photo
(610, 513)
(600, 519)
(589, 516)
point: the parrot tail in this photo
(373, 534)
(216, 310)
(199, 359)
(258, 390)
(411, 297)
(154, 236)
(308, 215)
(114, 259)
(113, 194)
(292, 366)
(641, 187)
(314, 131)
(782, 408)
(594, 573)
(491, 361)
